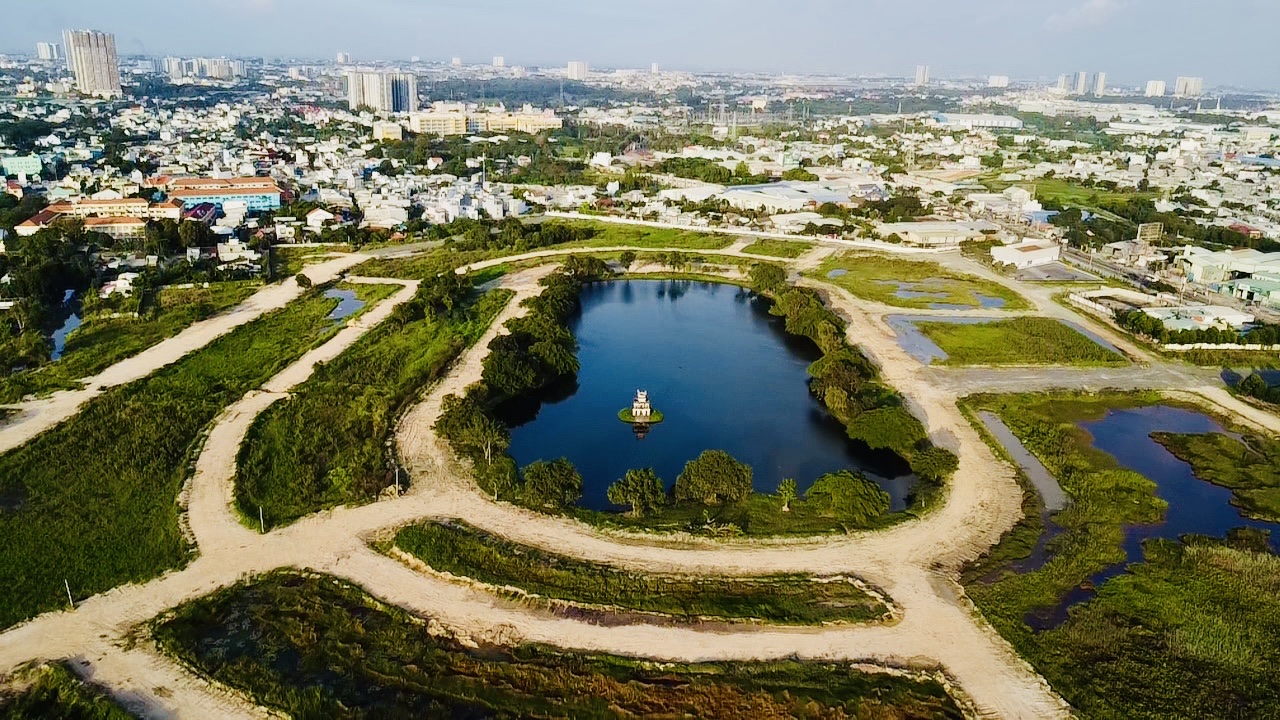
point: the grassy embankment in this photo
(466, 552)
(1250, 469)
(324, 445)
(290, 261)
(878, 278)
(237, 637)
(1017, 341)
(1072, 194)
(639, 236)
(55, 693)
(102, 342)
(94, 500)
(1185, 634)
(777, 248)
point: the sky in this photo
(1131, 40)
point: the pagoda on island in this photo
(641, 410)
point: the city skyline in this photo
(1136, 40)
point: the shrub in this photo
(713, 477)
(304, 282)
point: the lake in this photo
(719, 367)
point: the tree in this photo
(642, 490)
(554, 484)
(767, 277)
(486, 435)
(713, 477)
(799, 174)
(787, 492)
(627, 259)
(891, 428)
(934, 464)
(192, 233)
(852, 498)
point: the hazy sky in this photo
(1132, 40)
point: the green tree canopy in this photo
(554, 484)
(713, 477)
(891, 428)
(767, 277)
(852, 498)
(641, 490)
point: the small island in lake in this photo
(641, 411)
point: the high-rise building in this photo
(1155, 88)
(91, 56)
(457, 62)
(382, 92)
(499, 61)
(47, 51)
(1082, 83)
(654, 69)
(1064, 83)
(1100, 84)
(922, 75)
(1189, 87)
(998, 81)
(578, 70)
(344, 58)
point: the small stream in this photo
(71, 310)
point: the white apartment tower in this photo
(1189, 87)
(1155, 88)
(1100, 84)
(47, 51)
(922, 75)
(998, 81)
(1082, 83)
(578, 70)
(499, 61)
(91, 56)
(382, 92)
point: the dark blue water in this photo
(70, 312)
(348, 303)
(1195, 506)
(720, 368)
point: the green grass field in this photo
(879, 278)
(466, 552)
(100, 343)
(1183, 635)
(777, 248)
(1016, 341)
(1072, 194)
(287, 641)
(94, 500)
(324, 445)
(639, 236)
(55, 693)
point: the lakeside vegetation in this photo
(777, 248)
(1181, 635)
(94, 500)
(1017, 341)
(545, 578)
(55, 693)
(714, 494)
(325, 445)
(237, 636)
(103, 341)
(1249, 469)
(879, 278)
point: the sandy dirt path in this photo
(35, 416)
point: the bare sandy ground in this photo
(914, 563)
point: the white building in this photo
(91, 56)
(1155, 88)
(382, 92)
(499, 61)
(1100, 84)
(922, 75)
(937, 234)
(1188, 87)
(47, 51)
(387, 131)
(578, 70)
(969, 122)
(1027, 254)
(998, 81)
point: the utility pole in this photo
(262, 525)
(70, 603)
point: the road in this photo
(915, 563)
